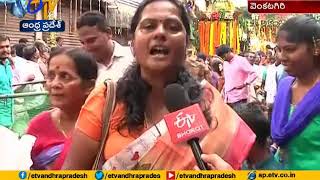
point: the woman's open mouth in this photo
(159, 51)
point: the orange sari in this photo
(229, 137)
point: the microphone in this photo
(185, 122)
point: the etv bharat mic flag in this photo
(228, 137)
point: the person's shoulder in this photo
(242, 59)
(123, 52)
(19, 59)
(32, 64)
(7, 62)
(286, 82)
(96, 98)
(39, 120)
(237, 57)
(98, 90)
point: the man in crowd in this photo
(251, 57)
(6, 104)
(239, 74)
(23, 41)
(96, 37)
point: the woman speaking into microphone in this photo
(137, 134)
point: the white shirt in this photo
(121, 59)
(271, 83)
(24, 68)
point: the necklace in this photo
(58, 124)
(61, 129)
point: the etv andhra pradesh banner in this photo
(159, 175)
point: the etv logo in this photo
(171, 175)
(39, 7)
(182, 120)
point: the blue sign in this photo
(99, 175)
(39, 7)
(22, 174)
(42, 26)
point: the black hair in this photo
(261, 54)
(222, 50)
(85, 63)
(133, 91)
(19, 49)
(137, 16)
(254, 117)
(13, 51)
(4, 37)
(201, 56)
(29, 51)
(94, 18)
(41, 46)
(54, 48)
(243, 54)
(215, 65)
(23, 41)
(58, 39)
(301, 29)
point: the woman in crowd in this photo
(44, 53)
(138, 137)
(33, 104)
(199, 70)
(216, 65)
(71, 77)
(296, 112)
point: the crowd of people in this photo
(263, 108)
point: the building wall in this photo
(9, 25)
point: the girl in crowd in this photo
(138, 137)
(71, 77)
(296, 112)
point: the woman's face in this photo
(64, 84)
(160, 39)
(297, 58)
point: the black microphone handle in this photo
(196, 149)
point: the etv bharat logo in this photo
(181, 120)
(52, 3)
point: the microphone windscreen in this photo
(176, 97)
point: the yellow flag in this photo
(231, 35)
(223, 34)
(211, 45)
